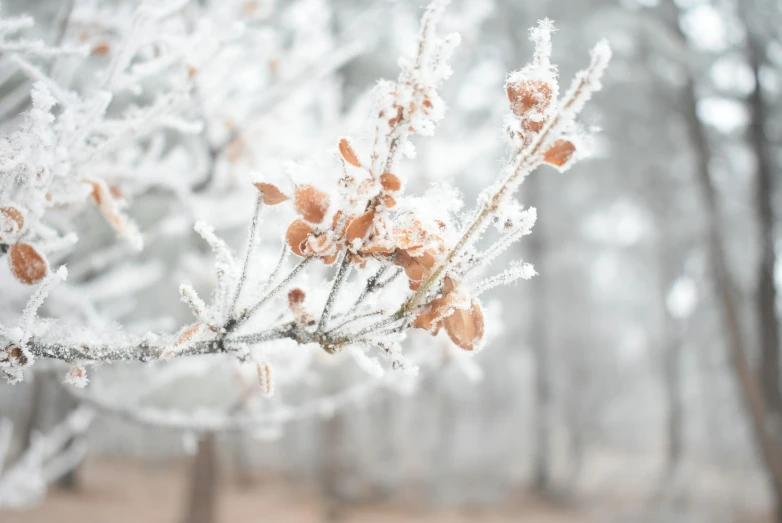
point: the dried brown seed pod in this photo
(359, 227)
(14, 355)
(296, 297)
(27, 264)
(560, 153)
(390, 182)
(465, 327)
(297, 234)
(11, 221)
(347, 152)
(526, 95)
(311, 203)
(271, 194)
(389, 201)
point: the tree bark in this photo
(751, 390)
(201, 504)
(766, 289)
(670, 256)
(540, 349)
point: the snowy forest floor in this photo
(123, 492)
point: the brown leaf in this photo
(311, 203)
(560, 153)
(432, 315)
(271, 194)
(27, 264)
(377, 247)
(413, 269)
(532, 125)
(359, 227)
(526, 95)
(390, 182)
(297, 234)
(348, 153)
(389, 201)
(108, 206)
(427, 261)
(12, 219)
(465, 327)
(187, 334)
(319, 245)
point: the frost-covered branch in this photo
(49, 457)
(399, 261)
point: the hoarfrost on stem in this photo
(392, 261)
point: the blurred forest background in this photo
(636, 379)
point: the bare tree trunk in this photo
(202, 490)
(540, 351)
(675, 421)
(671, 344)
(766, 289)
(331, 466)
(751, 390)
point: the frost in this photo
(188, 116)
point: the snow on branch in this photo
(50, 456)
(370, 260)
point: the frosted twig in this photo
(251, 237)
(37, 299)
(515, 272)
(252, 310)
(339, 279)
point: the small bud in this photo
(296, 297)
(27, 264)
(348, 153)
(77, 377)
(188, 334)
(13, 355)
(265, 378)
